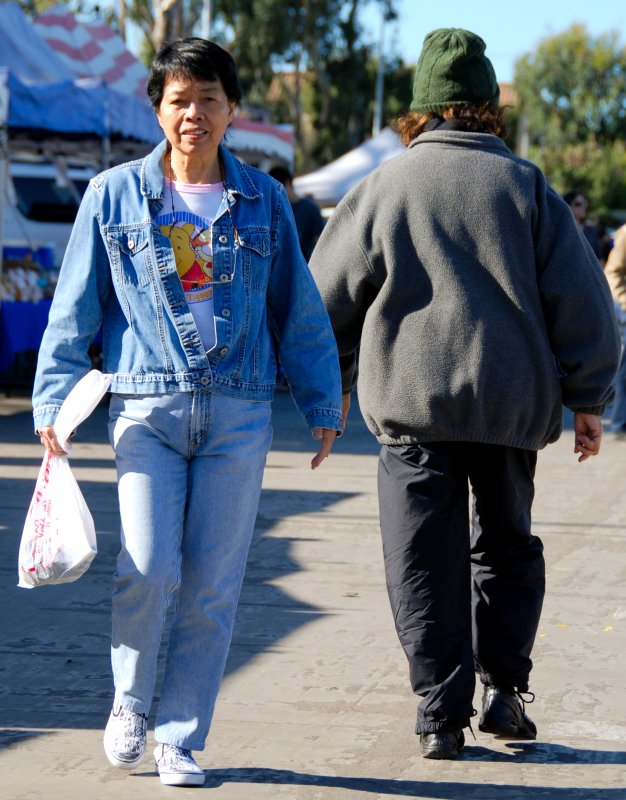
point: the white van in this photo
(40, 207)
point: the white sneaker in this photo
(125, 737)
(176, 766)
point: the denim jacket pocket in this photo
(256, 249)
(129, 251)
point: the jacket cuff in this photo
(598, 411)
(324, 418)
(45, 416)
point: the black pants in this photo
(463, 601)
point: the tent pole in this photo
(205, 20)
(106, 151)
(106, 140)
(4, 157)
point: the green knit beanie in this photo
(453, 70)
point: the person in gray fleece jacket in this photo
(458, 280)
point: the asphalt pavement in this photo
(315, 703)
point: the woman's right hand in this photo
(49, 440)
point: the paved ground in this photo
(315, 704)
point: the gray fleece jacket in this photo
(475, 305)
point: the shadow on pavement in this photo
(441, 790)
(545, 753)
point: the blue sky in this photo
(509, 29)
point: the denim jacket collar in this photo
(237, 181)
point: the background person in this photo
(457, 274)
(579, 204)
(615, 272)
(190, 261)
(309, 219)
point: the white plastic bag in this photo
(79, 404)
(59, 538)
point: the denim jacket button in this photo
(204, 381)
(223, 239)
(224, 277)
(226, 312)
(223, 351)
(131, 244)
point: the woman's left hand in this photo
(327, 437)
(49, 440)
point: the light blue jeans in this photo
(190, 467)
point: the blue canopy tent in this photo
(79, 107)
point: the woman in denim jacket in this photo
(189, 261)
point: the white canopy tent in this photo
(329, 184)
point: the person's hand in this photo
(587, 435)
(345, 407)
(49, 440)
(327, 437)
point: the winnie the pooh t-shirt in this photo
(191, 209)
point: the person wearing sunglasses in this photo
(189, 260)
(579, 204)
(615, 272)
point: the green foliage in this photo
(398, 89)
(341, 105)
(597, 170)
(572, 91)
(346, 111)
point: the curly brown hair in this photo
(478, 119)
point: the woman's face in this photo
(579, 207)
(194, 115)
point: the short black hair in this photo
(281, 174)
(192, 57)
(570, 196)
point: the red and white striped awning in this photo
(270, 140)
(92, 50)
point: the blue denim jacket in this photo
(119, 272)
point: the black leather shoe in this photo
(443, 744)
(504, 715)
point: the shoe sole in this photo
(182, 779)
(439, 755)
